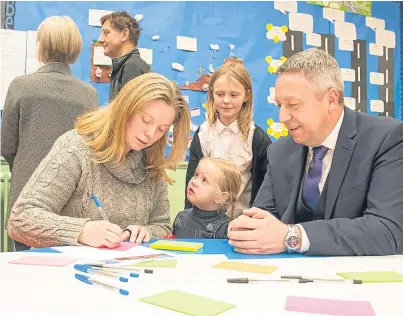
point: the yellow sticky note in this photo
(177, 245)
(246, 267)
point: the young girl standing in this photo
(230, 133)
(212, 191)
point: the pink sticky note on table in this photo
(44, 261)
(328, 307)
(123, 246)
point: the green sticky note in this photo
(373, 276)
(163, 263)
(188, 303)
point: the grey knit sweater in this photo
(54, 206)
(39, 108)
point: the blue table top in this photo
(210, 247)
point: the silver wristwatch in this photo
(291, 240)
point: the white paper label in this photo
(348, 74)
(186, 43)
(385, 38)
(284, 6)
(333, 14)
(350, 103)
(377, 78)
(346, 44)
(277, 127)
(374, 23)
(377, 106)
(193, 126)
(195, 112)
(375, 49)
(345, 30)
(301, 22)
(146, 54)
(314, 39)
(276, 31)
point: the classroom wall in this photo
(243, 24)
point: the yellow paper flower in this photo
(284, 28)
(269, 26)
(268, 59)
(275, 129)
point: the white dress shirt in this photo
(226, 142)
(330, 143)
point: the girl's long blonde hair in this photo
(241, 74)
(104, 130)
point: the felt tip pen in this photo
(248, 280)
(87, 269)
(298, 277)
(106, 286)
(99, 206)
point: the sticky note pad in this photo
(163, 263)
(373, 276)
(246, 267)
(44, 261)
(188, 303)
(328, 307)
(177, 245)
(123, 246)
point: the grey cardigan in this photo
(38, 109)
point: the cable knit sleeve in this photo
(35, 218)
(159, 224)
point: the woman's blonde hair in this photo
(104, 130)
(228, 182)
(241, 74)
(59, 40)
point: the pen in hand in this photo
(99, 206)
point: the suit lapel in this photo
(341, 159)
(294, 176)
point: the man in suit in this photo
(120, 34)
(338, 176)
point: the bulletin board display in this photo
(187, 41)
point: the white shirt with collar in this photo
(226, 142)
(330, 143)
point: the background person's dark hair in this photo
(122, 20)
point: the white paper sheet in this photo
(99, 59)
(193, 126)
(186, 43)
(350, 103)
(301, 22)
(333, 14)
(94, 16)
(195, 112)
(385, 38)
(314, 39)
(377, 78)
(146, 54)
(377, 106)
(32, 62)
(375, 49)
(347, 45)
(285, 6)
(348, 74)
(345, 30)
(374, 23)
(12, 56)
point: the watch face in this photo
(292, 242)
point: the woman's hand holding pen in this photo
(136, 233)
(101, 233)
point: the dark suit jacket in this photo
(364, 202)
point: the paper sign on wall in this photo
(385, 38)
(377, 78)
(377, 106)
(333, 14)
(314, 39)
(284, 6)
(99, 58)
(374, 23)
(94, 16)
(186, 43)
(347, 45)
(345, 30)
(348, 74)
(146, 54)
(195, 112)
(193, 126)
(375, 49)
(301, 22)
(350, 103)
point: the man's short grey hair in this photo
(319, 68)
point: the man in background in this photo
(119, 36)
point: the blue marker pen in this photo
(88, 269)
(99, 206)
(106, 286)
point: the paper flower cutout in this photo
(276, 33)
(276, 129)
(274, 63)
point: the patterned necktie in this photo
(311, 186)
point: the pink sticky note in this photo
(328, 307)
(123, 246)
(44, 261)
